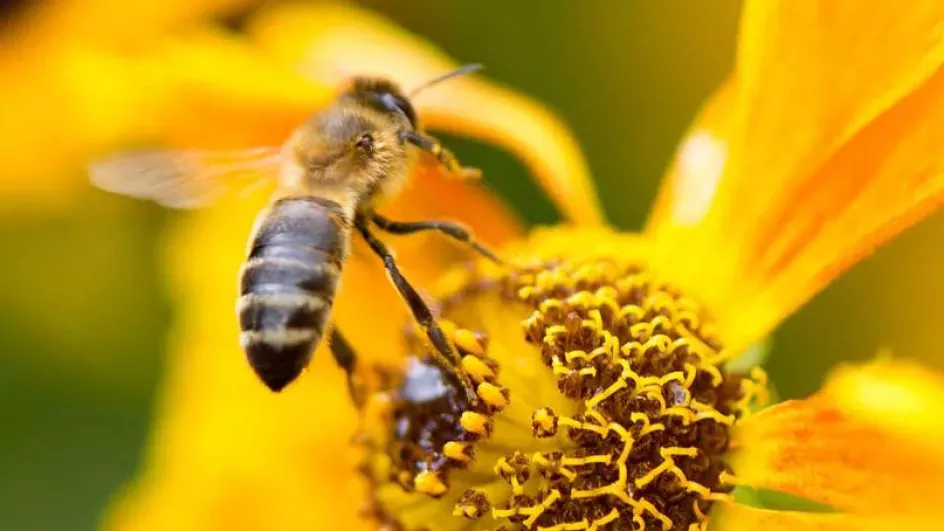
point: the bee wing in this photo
(185, 179)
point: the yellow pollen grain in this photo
(429, 483)
(467, 341)
(456, 450)
(492, 395)
(448, 327)
(477, 368)
(474, 422)
(467, 511)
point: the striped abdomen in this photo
(288, 285)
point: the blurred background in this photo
(83, 307)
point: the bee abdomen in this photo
(288, 285)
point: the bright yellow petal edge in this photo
(823, 145)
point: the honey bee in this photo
(329, 175)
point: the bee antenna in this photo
(461, 71)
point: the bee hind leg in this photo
(445, 355)
(442, 154)
(452, 230)
(346, 358)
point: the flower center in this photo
(603, 404)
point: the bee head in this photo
(386, 97)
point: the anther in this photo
(476, 423)
(477, 369)
(466, 340)
(457, 451)
(493, 396)
(472, 504)
(429, 483)
(544, 422)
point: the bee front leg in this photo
(447, 357)
(442, 154)
(452, 230)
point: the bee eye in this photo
(365, 142)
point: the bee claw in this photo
(470, 174)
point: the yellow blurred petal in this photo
(827, 145)
(55, 112)
(900, 396)
(743, 518)
(815, 449)
(689, 186)
(225, 92)
(226, 453)
(334, 42)
(106, 22)
(199, 90)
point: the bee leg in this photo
(448, 228)
(447, 357)
(443, 155)
(346, 358)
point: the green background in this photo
(83, 310)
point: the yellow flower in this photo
(601, 359)
(84, 77)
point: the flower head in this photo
(603, 395)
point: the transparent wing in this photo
(186, 179)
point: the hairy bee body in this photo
(288, 283)
(330, 174)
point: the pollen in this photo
(429, 483)
(604, 404)
(466, 340)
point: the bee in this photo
(329, 175)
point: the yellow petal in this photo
(198, 90)
(743, 518)
(226, 453)
(689, 186)
(335, 42)
(818, 450)
(222, 91)
(107, 22)
(829, 146)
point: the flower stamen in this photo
(608, 403)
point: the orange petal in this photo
(744, 518)
(829, 142)
(818, 450)
(334, 42)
